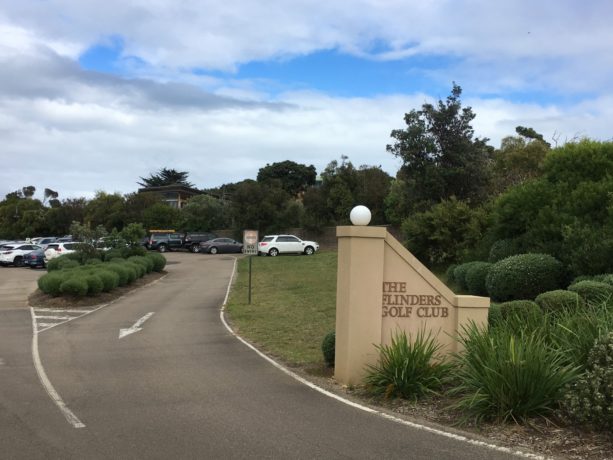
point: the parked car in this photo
(273, 245)
(13, 254)
(221, 245)
(43, 242)
(191, 241)
(35, 259)
(165, 242)
(59, 249)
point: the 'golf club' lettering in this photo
(398, 304)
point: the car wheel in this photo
(18, 262)
(213, 250)
(195, 248)
(162, 248)
(309, 250)
(274, 252)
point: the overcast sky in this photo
(95, 94)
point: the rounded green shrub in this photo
(75, 286)
(139, 269)
(582, 278)
(93, 262)
(589, 400)
(113, 254)
(592, 291)
(328, 348)
(135, 251)
(558, 300)
(449, 274)
(494, 315)
(62, 263)
(159, 261)
(50, 283)
(475, 278)
(121, 271)
(604, 278)
(502, 249)
(524, 276)
(459, 273)
(144, 261)
(94, 284)
(131, 270)
(520, 309)
(110, 279)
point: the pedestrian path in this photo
(46, 318)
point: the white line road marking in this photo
(136, 327)
(42, 375)
(58, 318)
(2, 363)
(414, 425)
(60, 310)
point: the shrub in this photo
(94, 284)
(592, 291)
(589, 400)
(93, 262)
(110, 279)
(555, 301)
(50, 283)
(449, 274)
(121, 271)
(502, 249)
(519, 315)
(505, 376)
(159, 261)
(604, 278)
(61, 263)
(494, 315)
(582, 278)
(328, 348)
(75, 286)
(135, 251)
(575, 331)
(144, 261)
(131, 270)
(460, 274)
(475, 278)
(408, 369)
(113, 254)
(139, 269)
(524, 276)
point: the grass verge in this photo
(293, 305)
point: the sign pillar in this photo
(250, 248)
(358, 300)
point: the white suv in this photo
(273, 245)
(59, 249)
(13, 254)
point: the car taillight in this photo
(59, 249)
(263, 244)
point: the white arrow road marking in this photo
(136, 327)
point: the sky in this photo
(97, 94)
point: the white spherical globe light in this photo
(360, 215)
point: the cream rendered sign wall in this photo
(381, 289)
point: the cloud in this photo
(552, 40)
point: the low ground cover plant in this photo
(69, 278)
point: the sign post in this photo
(250, 248)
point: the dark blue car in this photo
(35, 259)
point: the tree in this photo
(133, 233)
(519, 159)
(293, 177)
(50, 195)
(161, 216)
(203, 213)
(260, 206)
(166, 177)
(106, 209)
(440, 156)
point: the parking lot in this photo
(16, 284)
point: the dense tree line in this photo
(455, 197)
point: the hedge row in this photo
(93, 278)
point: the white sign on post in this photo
(250, 242)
